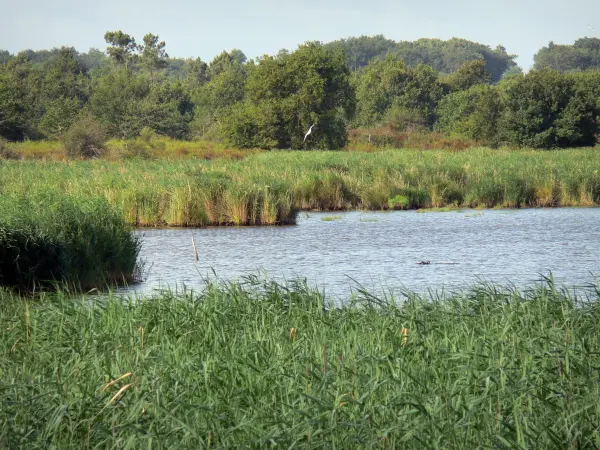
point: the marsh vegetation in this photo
(263, 364)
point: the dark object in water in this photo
(424, 263)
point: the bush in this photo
(47, 238)
(85, 139)
(147, 142)
(7, 153)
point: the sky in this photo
(199, 28)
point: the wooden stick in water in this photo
(195, 249)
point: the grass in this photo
(47, 238)
(258, 364)
(269, 187)
(331, 218)
(159, 148)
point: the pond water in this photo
(381, 251)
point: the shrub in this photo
(7, 153)
(142, 147)
(85, 139)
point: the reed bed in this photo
(116, 149)
(259, 364)
(47, 238)
(268, 188)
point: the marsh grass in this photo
(259, 364)
(270, 187)
(47, 238)
(116, 149)
(331, 218)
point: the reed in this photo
(270, 187)
(259, 364)
(47, 238)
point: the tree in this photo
(285, 96)
(196, 73)
(582, 55)
(212, 100)
(545, 109)
(387, 84)
(225, 61)
(468, 75)
(153, 54)
(122, 47)
(64, 92)
(360, 51)
(20, 87)
(5, 56)
(473, 113)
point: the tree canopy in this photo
(584, 54)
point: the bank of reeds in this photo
(117, 149)
(268, 188)
(48, 239)
(265, 365)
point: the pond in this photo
(382, 250)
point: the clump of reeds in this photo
(260, 364)
(268, 188)
(48, 239)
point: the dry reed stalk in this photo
(128, 374)
(195, 249)
(119, 392)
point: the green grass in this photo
(268, 188)
(47, 238)
(221, 368)
(331, 218)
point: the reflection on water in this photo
(382, 250)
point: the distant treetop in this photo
(584, 54)
(443, 56)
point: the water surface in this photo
(337, 251)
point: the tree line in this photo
(456, 87)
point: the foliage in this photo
(471, 73)
(584, 54)
(545, 109)
(448, 56)
(364, 49)
(443, 56)
(285, 96)
(125, 103)
(259, 364)
(269, 187)
(85, 139)
(388, 84)
(474, 113)
(47, 238)
(122, 47)
(272, 102)
(153, 54)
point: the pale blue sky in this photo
(201, 28)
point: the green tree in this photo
(468, 75)
(287, 95)
(122, 47)
(474, 113)
(196, 73)
(153, 55)
(545, 109)
(360, 51)
(582, 55)
(64, 92)
(20, 86)
(388, 88)
(212, 100)
(226, 61)
(5, 56)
